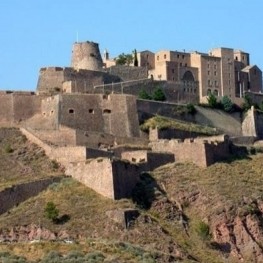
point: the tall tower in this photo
(86, 55)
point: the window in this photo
(236, 58)
(71, 111)
(157, 57)
(164, 56)
(106, 111)
(173, 70)
(178, 56)
(181, 64)
(216, 92)
(91, 111)
(214, 66)
(182, 56)
(209, 82)
(185, 64)
(208, 65)
(208, 92)
(208, 72)
(215, 73)
(216, 83)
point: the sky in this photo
(40, 33)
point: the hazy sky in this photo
(40, 33)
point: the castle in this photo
(86, 116)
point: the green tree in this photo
(158, 95)
(51, 211)
(135, 62)
(124, 59)
(227, 103)
(247, 103)
(212, 100)
(144, 95)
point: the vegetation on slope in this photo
(177, 204)
(163, 123)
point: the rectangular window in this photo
(164, 56)
(214, 66)
(173, 70)
(183, 56)
(208, 65)
(208, 72)
(157, 57)
(178, 56)
(215, 73)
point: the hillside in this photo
(187, 214)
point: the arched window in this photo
(208, 92)
(215, 92)
(188, 76)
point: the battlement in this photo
(202, 151)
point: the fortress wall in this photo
(152, 160)
(96, 174)
(63, 136)
(183, 151)
(17, 194)
(128, 72)
(64, 155)
(25, 106)
(6, 109)
(50, 78)
(248, 124)
(125, 177)
(81, 112)
(156, 134)
(228, 123)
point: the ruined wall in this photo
(17, 194)
(156, 134)
(201, 153)
(248, 124)
(152, 160)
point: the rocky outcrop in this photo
(31, 233)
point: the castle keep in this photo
(86, 116)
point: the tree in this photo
(51, 211)
(124, 59)
(135, 62)
(212, 100)
(121, 59)
(227, 103)
(247, 103)
(158, 95)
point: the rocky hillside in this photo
(185, 214)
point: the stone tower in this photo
(86, 55)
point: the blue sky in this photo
(39, 33)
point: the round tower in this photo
(86, 55)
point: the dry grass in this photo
(166, 123)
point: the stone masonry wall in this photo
(16, 194)
(112, 179)
(16, 107)
(201, 153)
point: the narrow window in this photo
(106, 111)
(164, 56)
(71, 111)
(91, 111)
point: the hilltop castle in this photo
(85, 115)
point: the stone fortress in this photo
(86, 116)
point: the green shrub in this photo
(51, 211)
(158, 95)
(144, 95)
(212, 100)
(227, 104)
(203, 230)
(190, 108)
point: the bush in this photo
(190, 108)
(247, 103)
(144, 95)
(203, 230)
(51, 211)
(212, 100)
(158, 95)
(227, 104)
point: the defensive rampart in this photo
(199, 151)
(114, 179)
(17, 107)
(16, 194)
